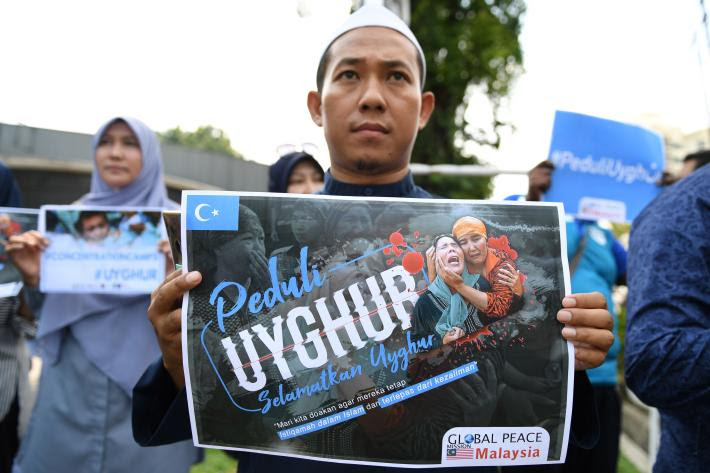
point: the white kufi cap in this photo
(377, 15)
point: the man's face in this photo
(475, 247)
(450, 253)
(371, 106)
(94, 228)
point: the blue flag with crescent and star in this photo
(212, 212)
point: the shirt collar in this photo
(403, 188)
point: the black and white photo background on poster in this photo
(101, 249)
(342, 340)
(13, 221)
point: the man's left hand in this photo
(588, 325)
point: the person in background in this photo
(9, 191)
(597, 262)
(371, 105)
(296, 172)
(667, 352)
(95, 346)
(691, 162)
(16, 323)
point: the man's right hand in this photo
(165, 314)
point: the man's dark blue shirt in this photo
(668, 327)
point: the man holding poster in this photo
(370, 104)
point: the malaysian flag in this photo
(459, 454)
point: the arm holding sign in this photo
(160, 413)
(25, 250)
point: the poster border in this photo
(41, 227)
(185, 301)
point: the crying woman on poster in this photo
(441, 311)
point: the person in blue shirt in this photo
(370, 103)
(94, 346)
(667, 352)
(597, 262)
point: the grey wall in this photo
(53, 166)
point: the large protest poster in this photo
(603, 169)
(13, 221)
(326, 340)
(101, 249)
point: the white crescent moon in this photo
(197, 212)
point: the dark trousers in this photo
(9, 442)
(602, 458)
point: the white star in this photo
(215, 212)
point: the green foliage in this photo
(216, 461)
(625, 466)
(468, 44)
(621, 333)
(206, 138)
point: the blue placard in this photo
(212, 212)
(603, 169)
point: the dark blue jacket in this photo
(667, 351)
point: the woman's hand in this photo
(430, 255)
(25, 250)
(431, 263)
(453, 334)
(508, 276)
(453, 280)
